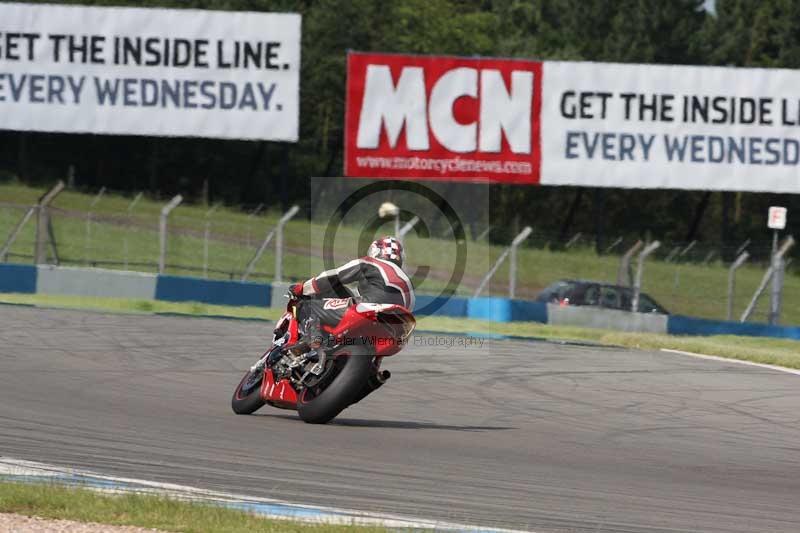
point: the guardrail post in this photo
(624, 270)
(279, 241)
(637, 286)
(40, 246)
(162, 231)
(744, 256)
(512, 249)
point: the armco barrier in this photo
(48, 279)
(440, 306)
(95, 282)
(185, 289)
(18, 278)
(593, 317)
(505, 310)
(684, 325)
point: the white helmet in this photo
(388, 248)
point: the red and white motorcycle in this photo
(320, 385)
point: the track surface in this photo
(523, 435)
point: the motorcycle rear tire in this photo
(342, 392)
(248, 403)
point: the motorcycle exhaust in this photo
(374, 382)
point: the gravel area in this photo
(14, 523)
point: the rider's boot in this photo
(312, 333)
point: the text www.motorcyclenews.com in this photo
(443, 166)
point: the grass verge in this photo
(82, 505)
(782, 352)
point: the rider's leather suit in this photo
(379, 281)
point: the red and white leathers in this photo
(379, 281)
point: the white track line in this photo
(302, 513)
(737, 361)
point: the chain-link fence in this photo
(447, 232)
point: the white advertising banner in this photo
(163, 72)
(651, 126)
(572, 123)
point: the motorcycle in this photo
(321, 384)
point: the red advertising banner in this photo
(443, 118)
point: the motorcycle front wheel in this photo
(247, 396)
(341, 384)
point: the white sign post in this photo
(776, 220)
(160, 72)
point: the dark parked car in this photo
(582, 292)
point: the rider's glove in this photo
(296, 290)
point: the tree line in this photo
(734, 32)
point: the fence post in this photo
(512, 262)
(743, 247)
(407, 227)
(788, 243)
(625, 264)
(637, 286)
(732, 281)
(613, 245)
(575, 238)
(672, 254)
(162, 231)
(779, 266)
(512, 266)
(279, 241)
(40, 246)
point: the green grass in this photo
(688, 289)
(122, 305)
(81, 505)
(782, 352)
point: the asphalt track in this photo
(534, 436)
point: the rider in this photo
(380, 280)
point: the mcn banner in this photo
(170, 72)
(572, 123)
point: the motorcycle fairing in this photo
(280, 394)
